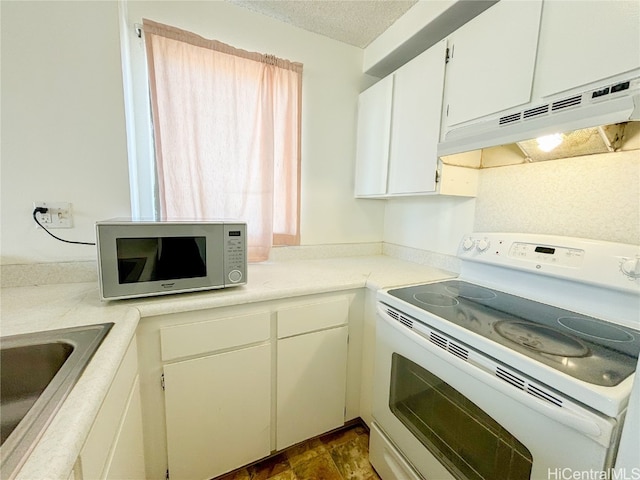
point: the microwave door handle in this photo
(567, 417)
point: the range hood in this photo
(595, 121)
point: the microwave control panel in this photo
(235, 253)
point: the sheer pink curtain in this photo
(227, 134)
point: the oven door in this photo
(451, 419)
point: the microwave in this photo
(138, 258)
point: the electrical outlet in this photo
(58, 215)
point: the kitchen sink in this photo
(37, 372)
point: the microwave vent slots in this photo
(526, 386)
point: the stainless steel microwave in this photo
(145, 258)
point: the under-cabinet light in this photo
(549, 142)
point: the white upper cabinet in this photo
(399, 127)
(415, 122)
(584, 42)
(492, 60)
(374, 128)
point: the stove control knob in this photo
(631, 267)
(483, 245)
(468, 244)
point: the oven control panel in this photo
(614, 265)
(533, 252)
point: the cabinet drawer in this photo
(210, 336)
(316, 316)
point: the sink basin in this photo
(38, 370)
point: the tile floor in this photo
(342, 455)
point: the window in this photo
(226, 125)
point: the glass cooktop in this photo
(584, 347)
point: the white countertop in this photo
(48, 307)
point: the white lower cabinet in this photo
(312, 375)
(114, 448)
(225, 387)
(218, 412)
(311, 370)
(127, 461)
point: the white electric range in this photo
(519, 368)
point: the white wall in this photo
(434, 223)
(63, 136)
(63, 139)
(63, 126)
(596, 196)
(403, 30)
(332, 80)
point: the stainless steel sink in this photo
(37, 372)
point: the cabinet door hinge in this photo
(162, 385)
(167, 475)
(448, 55)
(437, 176)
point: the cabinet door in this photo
(415, 130)
(311, 385)
(584, 42)
(116, 414)
(128, 453)
(218, 412)
(492, 60)
(372, 147)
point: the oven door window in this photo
(467, 441)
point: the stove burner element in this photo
(470, 291)
(435, 299)
(596, 329)
(542, 339)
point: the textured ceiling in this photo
(356, 22)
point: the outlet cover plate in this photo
(58, 216)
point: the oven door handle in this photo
(563, 415)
